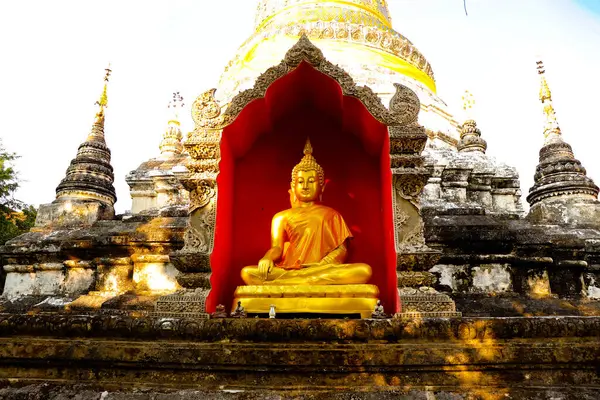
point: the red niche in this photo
(258, 152)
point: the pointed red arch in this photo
(258, 152)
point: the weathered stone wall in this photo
(470, 182)
(493, 358)
(489, 254)
(108, 257)
(154, 185)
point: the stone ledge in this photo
(472, 365)
(34, 267)
(428, 314)
(100, 324)
(140, 392)
(498, 357)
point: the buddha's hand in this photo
(265, 265)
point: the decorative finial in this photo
(171, 143)
(470, 138)
(103, 101)
(552, 129)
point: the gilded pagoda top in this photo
(353, 33)
(374, 11)
(364, 22)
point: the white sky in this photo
(53, 55)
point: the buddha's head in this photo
(308, 178)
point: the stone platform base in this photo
(90, 301)
(83, 391)
(426, 303)
(316, 299)
(183, 304)
(137, 358)
(76, 212)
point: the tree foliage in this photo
(15, 216)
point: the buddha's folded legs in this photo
(330, 274)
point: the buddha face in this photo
(306, 186)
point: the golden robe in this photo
(312, 233)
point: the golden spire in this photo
(468, 105)
(308, 163)
(551, 130)
(103, 101)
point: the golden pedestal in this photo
(316, 299)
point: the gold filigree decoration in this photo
(415, 279)
(401, 113)
(206, 112)
(436, 306)
(400, 220)
(415, 237)
(372, 103)
(405, 103)
(200, 233)
(203, 150)
(304, 50)
(202, 194)
(196, 240)
(207, 166)
(410, 186)
(410, 142)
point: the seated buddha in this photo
(309, 240)
(305, 270)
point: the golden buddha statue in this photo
(305, 269)
(308, 240)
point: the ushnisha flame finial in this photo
(552, 129)
(308, 163)
(308, 147)
(103, 101)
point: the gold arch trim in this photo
(210, 118)
(399, 113)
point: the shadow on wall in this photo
(2, 279)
